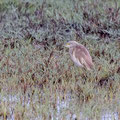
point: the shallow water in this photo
(13, 100)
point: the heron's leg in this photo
(80, 70)
(83, 74)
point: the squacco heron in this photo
(80, 55)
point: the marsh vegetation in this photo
(38, 80)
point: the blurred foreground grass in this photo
(37, 78)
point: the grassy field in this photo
(38, 80)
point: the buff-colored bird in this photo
(80, 55)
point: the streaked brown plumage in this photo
(80, 55)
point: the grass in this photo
(38, 80)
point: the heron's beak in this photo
(67, 45)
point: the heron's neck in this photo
(71, 50)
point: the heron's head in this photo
(71, 44)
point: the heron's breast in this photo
(75, 59)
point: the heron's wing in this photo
(84, 57)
